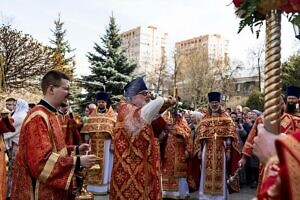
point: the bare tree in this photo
(24, 59)
(224, 77)
(194, 77)
(158, 77)
(256, 61)
(199, 74)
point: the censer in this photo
(86, 173)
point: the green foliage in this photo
(110, 68)
(291, 72)
(253, 12)
(249, 16)
(295, 19)
(255, 101)
(61, 46)
(65, 62)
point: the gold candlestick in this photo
(86, 173)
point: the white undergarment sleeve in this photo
(150, 110)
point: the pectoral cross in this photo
(215, 129)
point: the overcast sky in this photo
(86, 20)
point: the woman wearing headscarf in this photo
(12, 138)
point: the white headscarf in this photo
(18, 116)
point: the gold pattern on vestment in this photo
(292, 160)
(214, 130)
(214, 172)
(100, 128)
(285, 122)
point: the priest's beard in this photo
(214, 111)
(290, 108)
(101, 110)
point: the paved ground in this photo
(245, 194)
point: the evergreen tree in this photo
(110, 68)
(65, 62)
(62, 48)
(256, 101)
(291, 72)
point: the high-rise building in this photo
(146, 46)
(213, 46)
(200, 63)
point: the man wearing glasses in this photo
(44, 167)
(136, 173)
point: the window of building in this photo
(238, 87)
(247, 86)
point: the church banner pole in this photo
(272, 88)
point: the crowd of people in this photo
(147, 148)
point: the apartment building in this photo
(147, 46)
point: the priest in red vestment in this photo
(71, 124)
(177, 150)
(288, 124)
(99, 130)
(44, 167)
(136, 173)
(217, 145)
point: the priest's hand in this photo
(242, 161)
(87, 161)
(172, 100)
(83, 148)
(264, 144)
(5, 113)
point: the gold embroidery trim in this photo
(63, 151)
(48, 167)
(36, 113)
(45, 116)
(103, 117)
(71, 173)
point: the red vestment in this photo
(296, 119)
(100, 128)
(43, 168)
(214, 131)
(4, 127)
(71, 128)
(287, 126)
(135, 174)
(174, 161)
(284, 182)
